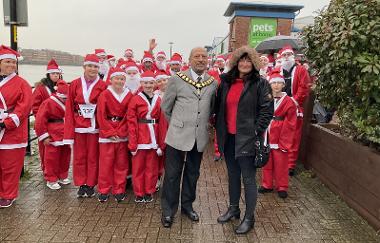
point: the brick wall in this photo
(284, 26)
(239, 28)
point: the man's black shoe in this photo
(166, 221)
(282, 194)
(90, 191)
(264, 190)
(191, 214)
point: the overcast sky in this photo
(79, 26)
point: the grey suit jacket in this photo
(188, 113)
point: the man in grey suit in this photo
(187, 105)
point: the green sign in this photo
(261, 29)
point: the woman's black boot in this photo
(245, 226)
(232, 212)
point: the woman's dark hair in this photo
(48, 83)
(234, 73)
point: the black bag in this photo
(262, 150)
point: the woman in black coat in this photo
(243, 109)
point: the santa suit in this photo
(49, 123)
(163, 126)
(300, 83)
(113, 154)
(81, 129)
(40, 94)
(15, 106)
(143, 120)
(281, 136)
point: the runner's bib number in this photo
(87, 110)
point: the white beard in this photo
(288, 64)
(161, 65)
(103, 68)
(133, 82)
(263, 71)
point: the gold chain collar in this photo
(198, 85)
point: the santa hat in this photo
(128, 51)
(148, 57)
(53, 67)
(116, 72)
(220, 58)
(161, 75)
(176, 59)
(8, 53)
(129, 65)
(91, 59)
(147, 76)
(100, 52)
(62, 89)
(161, 54)
(111, 57)
(275, 76)
(286, 49)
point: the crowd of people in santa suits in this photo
(111, 121)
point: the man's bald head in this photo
(198, 60)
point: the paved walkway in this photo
(311, 214)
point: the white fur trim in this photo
(43, 136)
(57, 143)
(287, 51)
(273, 146)
(132, 68)
(13, 146)
(86, 130)
(147, 59)
(107, 140)
(91, 63)
(161, 55)
(147, 146)
(101, 54)
(54, 71)
(117, 74)
(158, 77)
(15, 119)
(8, 56)
(277, 79)
(174, 62)
(147, 79)
(68, 141)
(61, 95)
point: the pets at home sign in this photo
(261, 29)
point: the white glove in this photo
(134, 153)
(159, 152)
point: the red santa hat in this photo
(176, 59)
(275, 76)
(220, 58)
(147, 76)
(161, 75)
(100, 52)
(53, 67)
(286, 49)
(110, 57)
(91, 59)
(148, 57)
(161, 54)
(129, 65)
(128, 51)
(8, 53)
(62, 89)
(117, 71)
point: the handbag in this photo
(262, 150)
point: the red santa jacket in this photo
(40, 93)
(112, 115)
(283, 125)
(143, 133)
(163, 125)
(15, 106)
(49, 120)
(300, 84)
(82, 102)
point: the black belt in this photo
(9, 110)
(150, 121)
(278, 118)
(55, 120)
(115, 118)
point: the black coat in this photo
(251, 119)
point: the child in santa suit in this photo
(281, 134)
(49, 129)
(161, 82)
(81, 127)
(43, 90)
(15, 106)
(113, 130)
(143, 126)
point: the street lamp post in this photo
(171, 48)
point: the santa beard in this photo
(103, 69)
(288, 64)
(133, 82)
(161, 65)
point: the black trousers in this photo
(237, 168)
(174, 166)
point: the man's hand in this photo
(152, 44)
(134, 153)
(47, 141)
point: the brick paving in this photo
(312, 213)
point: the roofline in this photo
(233, 6)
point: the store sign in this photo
(261, 29)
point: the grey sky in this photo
(79, 26)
